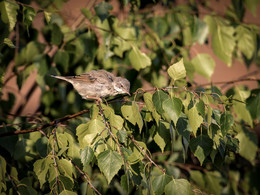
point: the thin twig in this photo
(85, 175)
(110, 132)
(54, 158)
(143, 151)
(229, 82)
(56, 121)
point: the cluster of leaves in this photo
(173, 141)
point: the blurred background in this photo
(27, 101)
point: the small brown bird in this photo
(97, 84)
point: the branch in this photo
(55, 122)
(147, 156)
(110, 132)
(85, 175)
(225, 83)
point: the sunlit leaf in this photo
(160, 182)
(178, 187)
(177, 70)
(204, 65)
(87, 132)
(132, 114)
(86, 155)
(162, 135)
(248, 144)
(246, 41)
(223, 41)
(47, 16)
(195, 119)
(138, 59)
(28, 16)
(9, 12)
(9, 43)
(41, 168)
(239, 106)
(150, 106)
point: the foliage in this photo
(176, 139)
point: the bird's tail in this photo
(61, 77)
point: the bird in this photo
(97, 84)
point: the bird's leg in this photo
(95, 98)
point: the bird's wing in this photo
(85, 78)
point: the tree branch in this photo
(55, 122)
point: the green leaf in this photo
(150, 106)
(61, 59)
(201, 108)
(223, 41)
(102, 10)
(116, 121)
(67, 192)
(47, 16)
(86, 12)
(138, 59)
(28, 16)
(159, 183)
(8, 12)
(132, 114)
(41, 168)
(65, 168)
(86, 155)
(195, 119)
(201, 146)
(9, 43)
(56, 35)
(178, 187)
(109, 163)
(204, 65)
(122, 136)
(31, 53)
(2, 168)
(183, 128)
(248, 144)
(87, 132)
(173, 107)
(158, 98)
(136, 153)
(246, 41)
(213, 182)
(226, 122)
(240, 106)
(121, 46)
(253, 104)
(252, 6)
(197, 177)
(162, 135)
(24, 150)
(199, 31)
(177, 70)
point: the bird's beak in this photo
(127, 92)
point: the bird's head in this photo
(121, 85)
